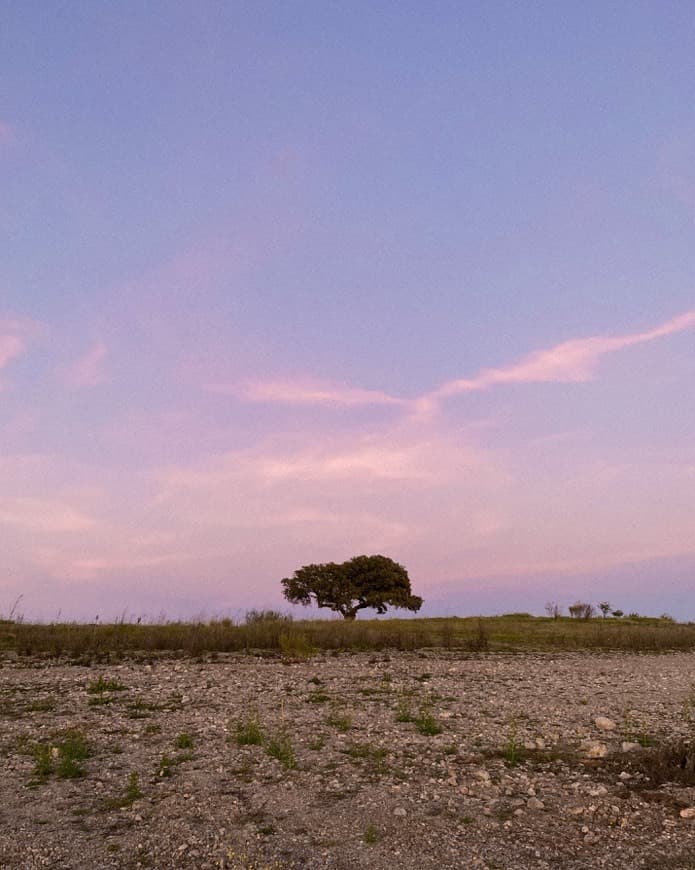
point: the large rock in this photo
(603, 723)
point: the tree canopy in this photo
(347, 587)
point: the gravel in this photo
(415, 760)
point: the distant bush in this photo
(581, 610)
(254, 617)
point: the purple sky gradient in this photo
(288, 283)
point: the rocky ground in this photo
(419, 760)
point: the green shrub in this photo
(248, 731)
(279, 746)
(426, 723)
(184, 741)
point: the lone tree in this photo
(364, 581)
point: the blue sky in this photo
(283, 283)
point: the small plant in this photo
(403, 710)
(184, 741)
(340, 721)
(43, 761)
(280, 747)
(248, 731)
(72, 749)
(165, 766)
(96, 687)
(62, 758)
(45, 705)
(318, 696)
(140, 709)
(371, 835)
(132, 793)
(374, 756)
(426, 723)
(514, 749)
(100, 701)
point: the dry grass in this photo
(281, 635)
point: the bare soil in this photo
(520, 775)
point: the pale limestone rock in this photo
(603, 723)
(596, 750)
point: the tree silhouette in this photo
(347, 587)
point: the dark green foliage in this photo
(72, 749)
(184, 741)
(362, 582)
(248, 731)
(63, 758)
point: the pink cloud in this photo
(43, 516)
(573, 361)
(14, 335)
(11, 346)
(88, 370)
(306, 392)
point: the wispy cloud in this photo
(15, 333)
(305, 392)
(43, 516)
(88, 371)
(11, 346)
(573, 361)
(379, 461)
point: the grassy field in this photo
(275, 634)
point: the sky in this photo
(284, 283)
